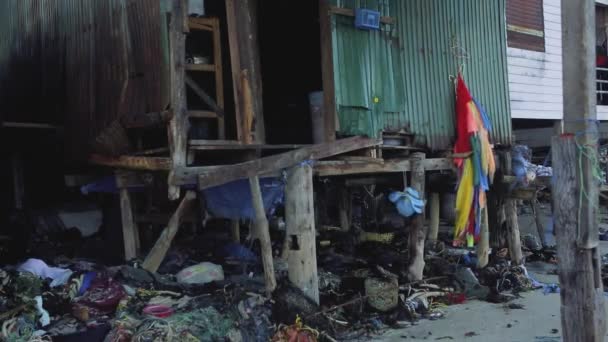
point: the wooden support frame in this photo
(246, 70)
(301, 235)
(157, 253)
(513, 231)
(280, 161)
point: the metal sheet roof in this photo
(399, 77)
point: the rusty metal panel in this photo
(83, 63)
(399, 77)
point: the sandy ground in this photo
(478, 321)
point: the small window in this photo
(526, 25)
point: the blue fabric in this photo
(233, 200)
(105, 185)
(487, 123)
(239, 252)
(408, 203)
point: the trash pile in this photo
(82, 301)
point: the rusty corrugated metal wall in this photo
(82, 63)
(398, 77)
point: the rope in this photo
(590, 153)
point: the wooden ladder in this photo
(211, 25)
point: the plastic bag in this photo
(202, 273)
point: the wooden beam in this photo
(130, 232)
(200, 67)
(582, 294)
(132, 163)
(343, 168)
(417, 229)
(351, 13)
(301, 235)
(327, 70)
(32, 125)
(145, 120)
(263, 234)
(179, 124)
(283, 160)
(246, 69)
(204, 96)
(162, 245)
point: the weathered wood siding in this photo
(535, 78)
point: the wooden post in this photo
(417, 231)
(434, 219)
(582, 303)
(179, 124)
(327, 70)
(345, 205)
(263, 234)
(158, 252)
(130, 232)
(235, 231)
(582, 294)
(538, 221)
(483, 247)
(18, 183)
(300, 224)
(246, 70)
(513, 231)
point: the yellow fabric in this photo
(464, 198)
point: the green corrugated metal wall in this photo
(399, 77)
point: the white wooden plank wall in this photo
(535, 78)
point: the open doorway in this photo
(290, 50)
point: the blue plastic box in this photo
(366, 19)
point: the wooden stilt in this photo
(18, 183)
(263, 234)
(513, 231)
(434, 219)
(483, 246)
(235, 231)
(130, 231)
(538, 221)
(158, 252)
(300, 222)
(582, 300)
(345, 208)
(178, 125)
(417, 230)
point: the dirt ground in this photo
(480, 321)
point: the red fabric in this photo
(601, 61)
(465, 122)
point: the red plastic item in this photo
(158, 311)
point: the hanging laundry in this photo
(474, 159)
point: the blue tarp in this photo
(233, 200)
